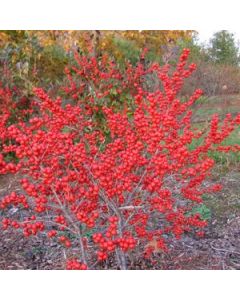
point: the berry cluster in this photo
(74, 264)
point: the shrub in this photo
(94, 82)
(110, 198)
(214, 79)
(14, 104)
(51, 64)
(26, 62)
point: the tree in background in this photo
(218, 69)
(121, 45)
(38, 57)
(32, 58)
(223, 49)
(199, 52)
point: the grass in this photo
(204, 109)
(205, 113)
(223, 204)
(222, 157)
(207, 106)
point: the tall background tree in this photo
(223, 49)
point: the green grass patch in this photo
(222, 157)
(202, 210)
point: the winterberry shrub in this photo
(14, 103)
(93, 83)
(110, 199)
